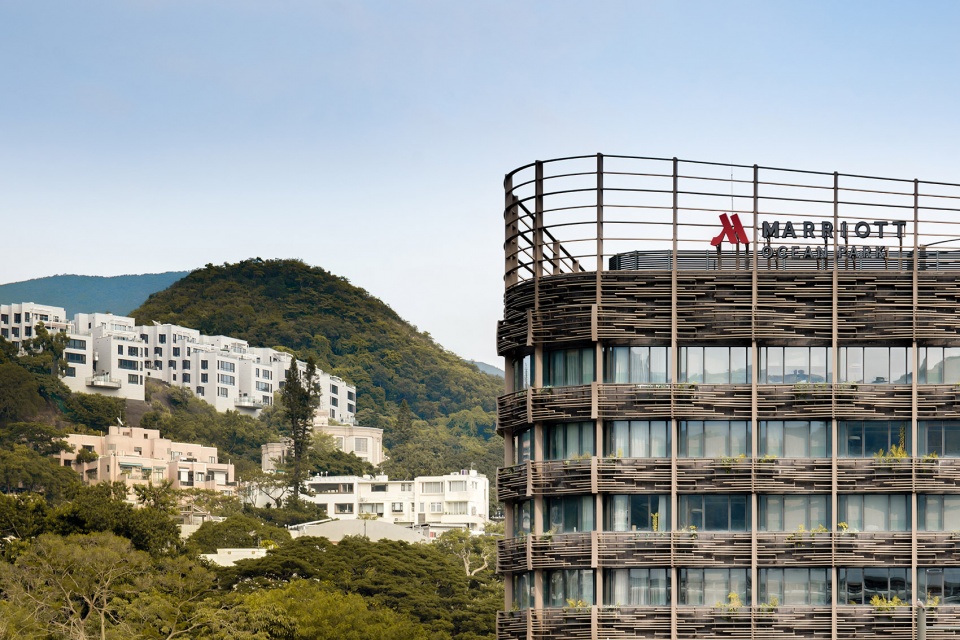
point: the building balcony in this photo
(633, 475)
(629, 549)
(938, 548)
(792, 474)
(780, 548)
(248, 402)
(874, 475)
(714, 474)
(872, 548)
(561, 477)
(104, 381)
(512, 482)
(627, 622)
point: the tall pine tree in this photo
(301, 396)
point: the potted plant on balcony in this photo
(883, 605)
(731, 607)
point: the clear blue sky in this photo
(371, 138)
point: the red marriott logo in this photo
(732, 230)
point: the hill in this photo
(87, 294)
(488, 368)
(287, 303)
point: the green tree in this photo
(19, 393)
(45, 351)
(301, 397)
(69, 584)
(305, 610)
(236, 532)
(94, 410)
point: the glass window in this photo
(568, 367)
(875, 512)
(864, 439)
(800, 586)
(714, 438)
(715, 365)
(522, 517)
(938, 512)
(523, 373)
(941, 437)
(569, 440)
(523, 446)
(940, 582)
(637, 513)
(570, 514)
(636, 364)
(637, 439)
(795, 438)
(715, 512)
(874, 365)
(523, 590)
(788, 512)
(712, 586)
(857, 585)
(569, 587)
(636, 587)
(790, 365)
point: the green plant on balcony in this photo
(690, 530)
(767, 458)
(576, 606)
(800, 535)
(685, 390)
(655, 521)
(811, 390)
(771, 606)
(929, 459)
(896, 453)
(843, 527)
(932, 601)
(548, 535)
(731, 606)
(881, 604)
(727, 462)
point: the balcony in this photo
(874, 474)
(512, 482)
(248, 402)
(104, 381)
(938, 548)
(562, 477)
(779, 548)
(628, 549)
(792, 474)
(625, 621)
(631, 475)
(872, 548)
(714, 474)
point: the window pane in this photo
(739, 442)
(739, 369)
(794, 512)
(951, 513)
(818, 364)
(951, 365)
(796, 436)
(819, 441)
(659, 444)
(854, 364)
(898, 365)
(771, 513)
(899, 513)
(795, 586)
(774, 365)
(715, 438)
(658, 364)
(738, 514)
(716, 513)
(716, 365)
(771, 438)
(796, 364)
(874, 512)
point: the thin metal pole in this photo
(921, 623)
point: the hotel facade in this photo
(733, 402)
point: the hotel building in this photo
(733, 402)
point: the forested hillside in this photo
(287, 303)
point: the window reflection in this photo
(857, 585)
(875, 512)
(637, 513)
(568, 367)
(636, 364)
(790, 365)
(866, 438)
(788, 512)
(715, 365)
(795, 586)
(939, 582)
(715, 512)
(637, 439)
(938, 365)
(570, 514)
(714, 438)
(795, 438)
(568, 585)
(569, 440)
(709, 586)
(874, 365)
(636, 587)
(941, 437)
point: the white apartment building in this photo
(139, 456)
(17, 321)
(229, 374)
(111, 355)
(434, 504)
(364, 442)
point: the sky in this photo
(372, 138)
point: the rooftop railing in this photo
(598, 212)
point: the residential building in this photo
(105, 355)
(17, 321)
(140, 456)
(731, 402)
(433, 504)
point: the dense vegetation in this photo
(82, 562)
(86, 294)
(289, 304)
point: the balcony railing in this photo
(104, 381)
(248, 402)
